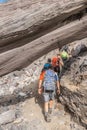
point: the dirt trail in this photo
(60, 119)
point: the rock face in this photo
(22, 84)
(7, 117)
(31, 29)
(74, 86)
(19, 85)
(41, 27)
(20, 18)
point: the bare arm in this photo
(40, 84)
(61, 62)
(40, 87)
(58, 87)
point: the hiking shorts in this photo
(48, 96)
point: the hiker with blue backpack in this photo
(48, 84)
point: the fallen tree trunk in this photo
(20, 57)
(29, 22)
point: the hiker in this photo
(48, 82)
(57, 64)
(64, 53)
(64, 56)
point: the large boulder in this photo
(23, 18)
(20, 57)
(30, 29)
(74, 86)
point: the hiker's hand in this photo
(39, 90)
(58, 91)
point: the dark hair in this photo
(46, 68)
(58, 54)
(49, 60)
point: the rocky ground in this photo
(28, 116)
(29, 30)
(16, 113)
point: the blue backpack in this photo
(49, 82)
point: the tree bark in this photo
(20, 57)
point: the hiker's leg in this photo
(47, 115)
(46, 101)
(46, 107)
(51, 104)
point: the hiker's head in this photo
(47, 66)
(49, 60)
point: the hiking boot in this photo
(47, 118)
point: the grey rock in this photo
(21, 94)
(14, 127)
(19, 127)
(74, 89)
(78, 49)
(37, 23)
(1, 128)
(7, 117)
(36, 124)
